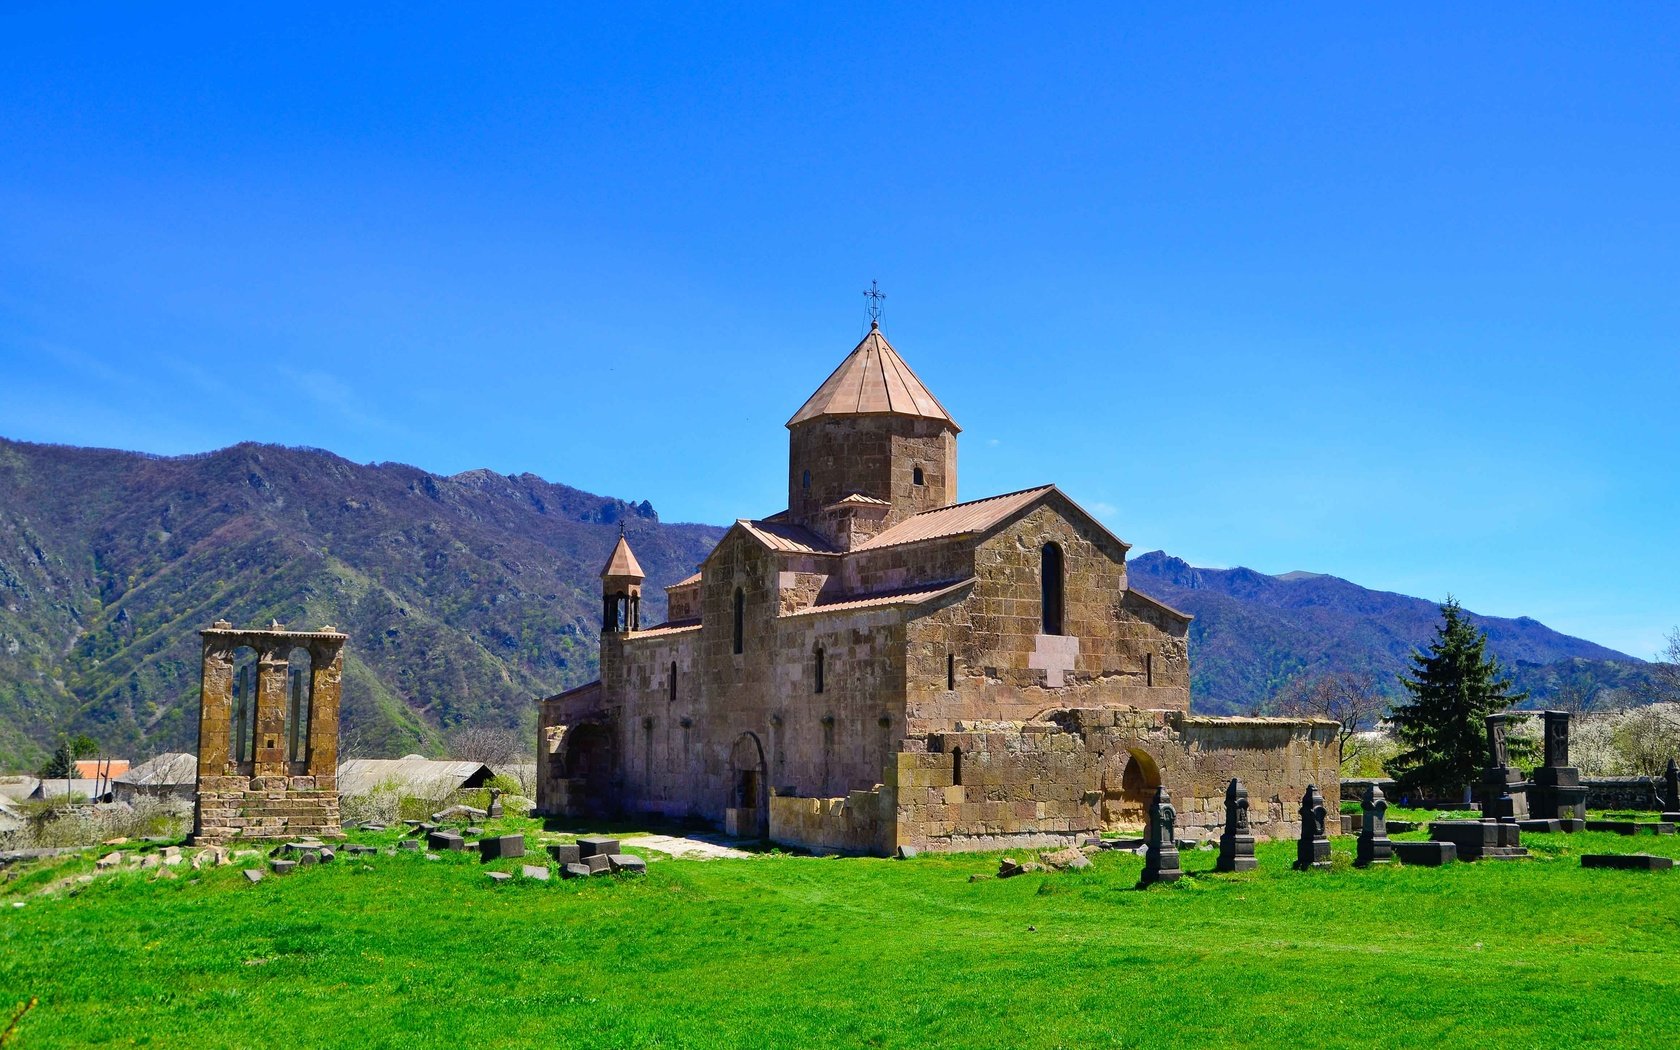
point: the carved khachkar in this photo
(1160, 861)
(1374, 846)
(1313, 851)
(1236, 844)
(1556, 792)
(1671, 787)
(1503, 793)
(268, 734)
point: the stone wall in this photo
(1075, 773)
(874, 456)
(859, 822)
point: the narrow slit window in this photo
(819, 670)
(740, 618)
(672, 685)
(1050, 573)
(805, 480)
(916, 476)
(1149, 669)
(956, 767)
(950, 670)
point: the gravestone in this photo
(627, 864)
(1626, 861)
(282, 867)
(1236, 844)
(535, 871)
(1160, 863)
(1425, 854)
(1313, 850)
(1374, 846)
(565, 853)
(1557, 792)
(495, 809)
(1502, 792)
(590, 845)
(409, 844)
(597, 863)
(1671, 785)
(499, 876)
(1481, 839)
(575, 871)
(498, 847)
(446, 840)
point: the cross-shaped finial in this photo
(874, 294)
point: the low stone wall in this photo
(1623, 792)
(1077, 772)
(853, 824)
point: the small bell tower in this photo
(621, 590)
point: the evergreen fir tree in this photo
(1443, 727)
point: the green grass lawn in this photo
(795, 951)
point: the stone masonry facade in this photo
(881, 666)
(268, 754)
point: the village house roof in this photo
(171, 768)
(411, 775)
(94, 768)
(873, 381)
(58, 787)
(18, 788)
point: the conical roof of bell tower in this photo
(873, 381)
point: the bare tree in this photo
(1341, 696)
(1666, 670)
(492, 745)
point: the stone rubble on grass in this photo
(1063, 859)
(282, 867)
(498, 876)
(535, 871)
(461, 813)
(627, 864)
(109, 860)
(575, 871)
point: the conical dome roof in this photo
(623, 562)
(873, 381)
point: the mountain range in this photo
(467, 596)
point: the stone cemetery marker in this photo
(535, 871)
(565, 853)
(1160, 863)
(627, 864)
(1626, 861)
(446, 840)
(499, 876)
(1671, 781)
(1313, 851)
(1374, 847)
(500, 846)
(1236, 845)
(590, 845)
(575, 871)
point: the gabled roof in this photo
(410, 774)
(873, 381)
(789, 539)
(173, 768)
(687, 581)
(903, 596)
(959, 519)
(623, 562)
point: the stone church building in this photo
(880, 665)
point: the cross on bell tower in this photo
(874, 294)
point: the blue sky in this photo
(1388, 294)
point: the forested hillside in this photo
(464, 597)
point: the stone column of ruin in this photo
(326, 673)
(215, 719)
(272, 676)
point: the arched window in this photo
(950, 670)
(916, 477)
(819, 674)
(242, 727)
(805, 480)
(1050, 580)
(956, 767)
(672, 685)
(740, 617)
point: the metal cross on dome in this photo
(874, 294)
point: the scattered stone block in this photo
(1398, 826)
(908, 852)
(627, 864)
(409, 844)
(445, 840)
(359, 850)
(591, 845)
(326, 854)
(575, 871)
(282, 867)
(171, 853)
(1125, 844)
(309, 857)
(472, 831)
(461, 813)
(565, 853)
(597, 863)
(109, 860)
(150, 860)
(1571, 825)
(535, 871)
(1425, 854)
(1553, 825)
(1481, 839)
(1626, 861)
(371, 826)
(1618, 827)
(498, 876)
(1349, 823)
(253, 874)
(498, 847)
(1066, 858)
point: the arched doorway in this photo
(588, 765)
(748, 812)
(1130, 778)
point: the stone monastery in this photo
(880, 666)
